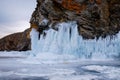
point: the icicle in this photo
(67, 41)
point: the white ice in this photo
(67, 41)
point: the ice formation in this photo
(67, 41)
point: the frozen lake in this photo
(23, 68)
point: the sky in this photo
(15, 15)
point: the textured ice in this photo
(109, 71)
(67, 41)
(80, 77)
(15, 69)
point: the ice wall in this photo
(67, 41)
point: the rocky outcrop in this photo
(95, 18)
(16, 42)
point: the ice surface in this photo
(15, 69)
(80, 77)
(109, 71)
(14, 54)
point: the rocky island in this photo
(95, 18)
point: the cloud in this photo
(12, 10)
(15, 15)
(14, 27)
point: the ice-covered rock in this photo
(95, 18)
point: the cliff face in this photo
(95, 18)
(16, 42)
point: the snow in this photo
(44, 22)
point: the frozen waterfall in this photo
(67, 41)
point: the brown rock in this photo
(96, 17)
(16, 42)
(72, 5)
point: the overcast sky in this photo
(15, 15)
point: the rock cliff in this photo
(16, 42)
(95, 18)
